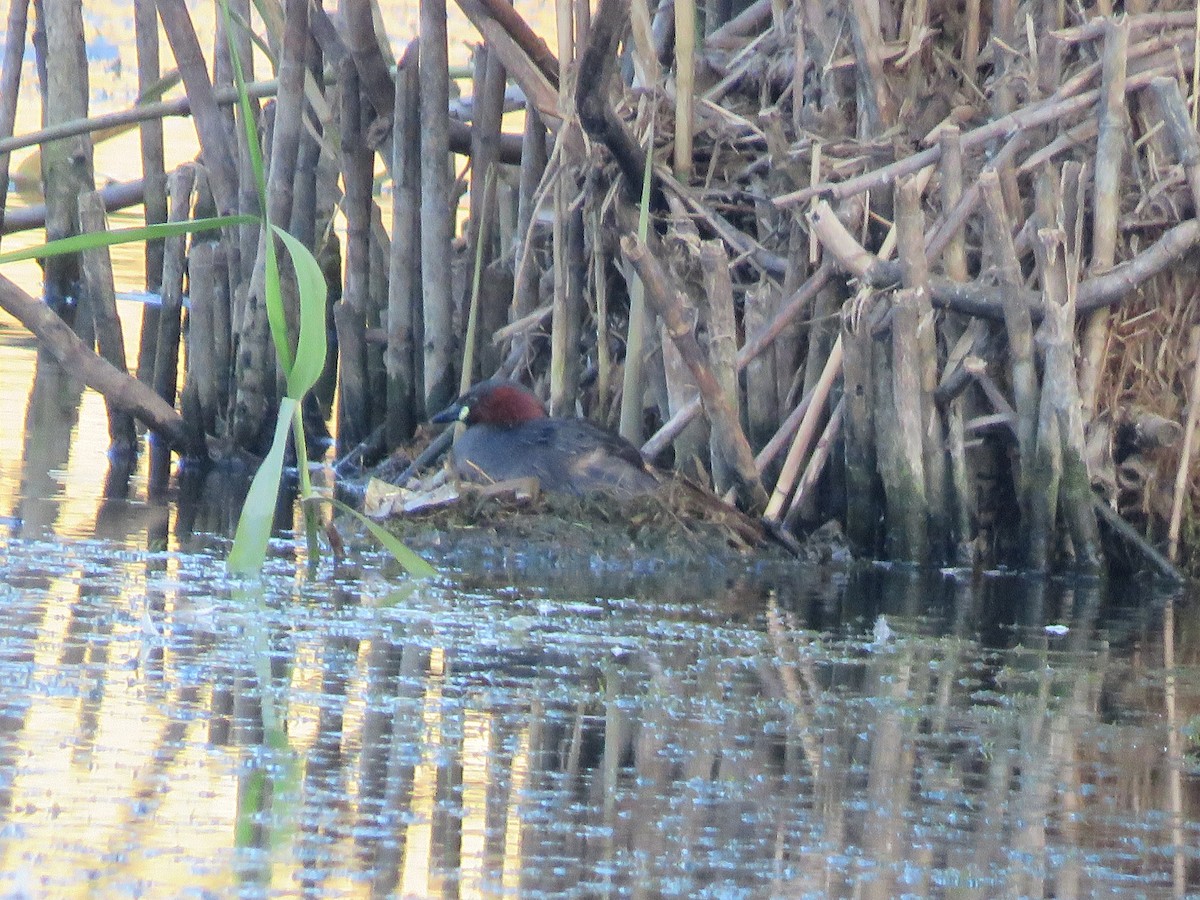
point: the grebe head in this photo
(496, 401)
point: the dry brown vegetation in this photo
(926, 268)
(1030, 169)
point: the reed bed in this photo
(920, 268)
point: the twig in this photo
(668, 304)
(1183, 473)
(10, 82)
(1053, 109)
(1129, 534)
(816, 463)
(121, 390)
(1137, 23)
(805, 433)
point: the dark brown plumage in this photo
(509, 435)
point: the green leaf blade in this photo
(92, 240)
(273, 299)
(249, 550)
(413, 564)
(311, 344)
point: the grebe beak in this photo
(458, 411)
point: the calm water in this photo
(501, 733)
(517, 729)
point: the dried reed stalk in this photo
(67, 163)
(437, 214)
(98, 279)
(401, 358)
(355, 421)
(10, 86)
(1106, 199)
(215, 150)
(166, 358)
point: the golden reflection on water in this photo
(102, 757)
(415, 879)
(131, 795)
(476, 765)
(90, 808)
(772, 760)
(53, 454)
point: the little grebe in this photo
(509, 435)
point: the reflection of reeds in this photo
(1174, 757)
(767, 758)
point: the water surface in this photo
(164, 733)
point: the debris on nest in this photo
(678, 521)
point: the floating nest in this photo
(680, 524)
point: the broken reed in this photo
(917, 233)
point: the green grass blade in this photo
(312, 525)
(254, 524)
(91, 241)
(250, 808)
(273, 299)
(647, 181)
(413, 564)
(248, 122)
(311, 344)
